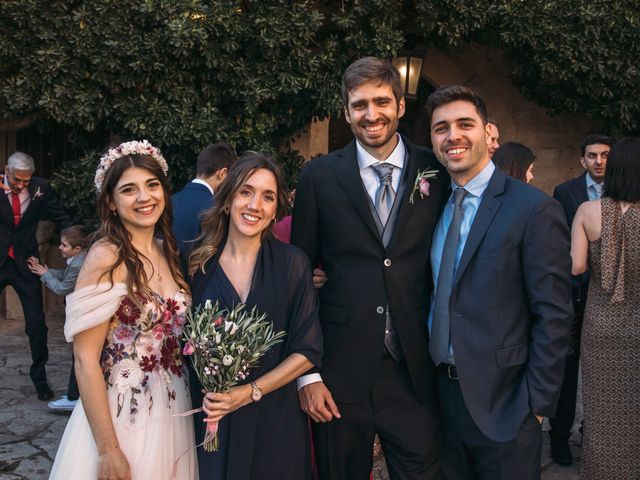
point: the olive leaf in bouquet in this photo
(224, 345)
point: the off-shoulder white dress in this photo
(145, 381)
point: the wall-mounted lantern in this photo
(410, 68)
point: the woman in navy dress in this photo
(262, 431)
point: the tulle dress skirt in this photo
(158, 445)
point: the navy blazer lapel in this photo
(489, 206)
(347, 173)
(579, 190)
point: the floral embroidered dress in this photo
(146, 386)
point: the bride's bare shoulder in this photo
(100, 259)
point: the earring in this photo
(115, 214)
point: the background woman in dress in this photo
(606, 237)
(125, 318)
(515, 160)
(262, 432)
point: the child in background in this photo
(62, 282)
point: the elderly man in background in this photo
(25, 201)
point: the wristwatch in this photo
(256, 391)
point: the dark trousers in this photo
(468, 454)
(409, 432)
(562, 422)
(72, 389)
(29, 290)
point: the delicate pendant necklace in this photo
(158, 271)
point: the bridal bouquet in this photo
(223, 346)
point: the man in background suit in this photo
(358, 217)
(494, 136)
(501, 309)
(25, 201)
(571, 194)
(214, 161)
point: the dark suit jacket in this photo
(571, 194)
(188, 205)
(511, 307)
(44, 205)
(334, 225)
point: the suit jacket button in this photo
(380, 310)
(387, 262)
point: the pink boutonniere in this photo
(421, 184)
(37, 194)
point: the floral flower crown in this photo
(127, 148)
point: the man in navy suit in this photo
(24, 201)
(571, 194)
(211, 169)
(501, 310)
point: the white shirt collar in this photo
(202, 182)
(396, 158)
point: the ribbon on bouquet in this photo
(210, 437)
(212, 429)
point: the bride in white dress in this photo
(125, 319)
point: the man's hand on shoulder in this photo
(319, 278)
(316, 400)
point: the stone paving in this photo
(30, 432)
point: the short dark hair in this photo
(514, 159)
(594, 139)
(371, 69)
(75, 235)
(622, 173)
(453, 93)
(492, 121)
(214, 157)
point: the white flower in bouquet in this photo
(223, 346)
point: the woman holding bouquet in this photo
(125, 318)
(262, 431)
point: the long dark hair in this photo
(112, 230)
(514, 159)
(215, 221)
(622, 173)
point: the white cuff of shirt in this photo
(305, 380)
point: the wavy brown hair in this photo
(113, 232)
(215, 221)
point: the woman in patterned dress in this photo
(125, 318)
(606, 237)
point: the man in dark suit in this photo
(214, 161)
(501, 308)
(571, 194)
(25, 200)
(359, 216)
